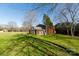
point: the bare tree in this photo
(70, 14)
(12, 26)
(64, 19)
(50, 9)
(29, 19)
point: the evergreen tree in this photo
(46, 20)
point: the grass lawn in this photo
(22, 44)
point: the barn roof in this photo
(41, 25)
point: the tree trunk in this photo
(74, 29)
(67, 32)
(46, 29)
(72, 33)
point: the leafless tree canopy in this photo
(29, 19)
(12, 25)
(70, 14)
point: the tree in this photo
(77, 29)
(64, 20)
(70, 14)
(61, 28)
(41, 6)
(29, 19)
(47, 22)
(12, 26)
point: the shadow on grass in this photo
(61, 47)
(41, 45)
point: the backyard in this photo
(23, 44)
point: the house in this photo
(41, 30)
(3, 30)
(38, 30)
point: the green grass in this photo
(6, 37)
(69, 42)
(22, 44)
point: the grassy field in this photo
(22, 44)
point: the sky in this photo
(17, 11)
(13, 12)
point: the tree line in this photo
(67, 17)
(12, 27)
(62, 29)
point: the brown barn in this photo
(41, 30)
(50, 30)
